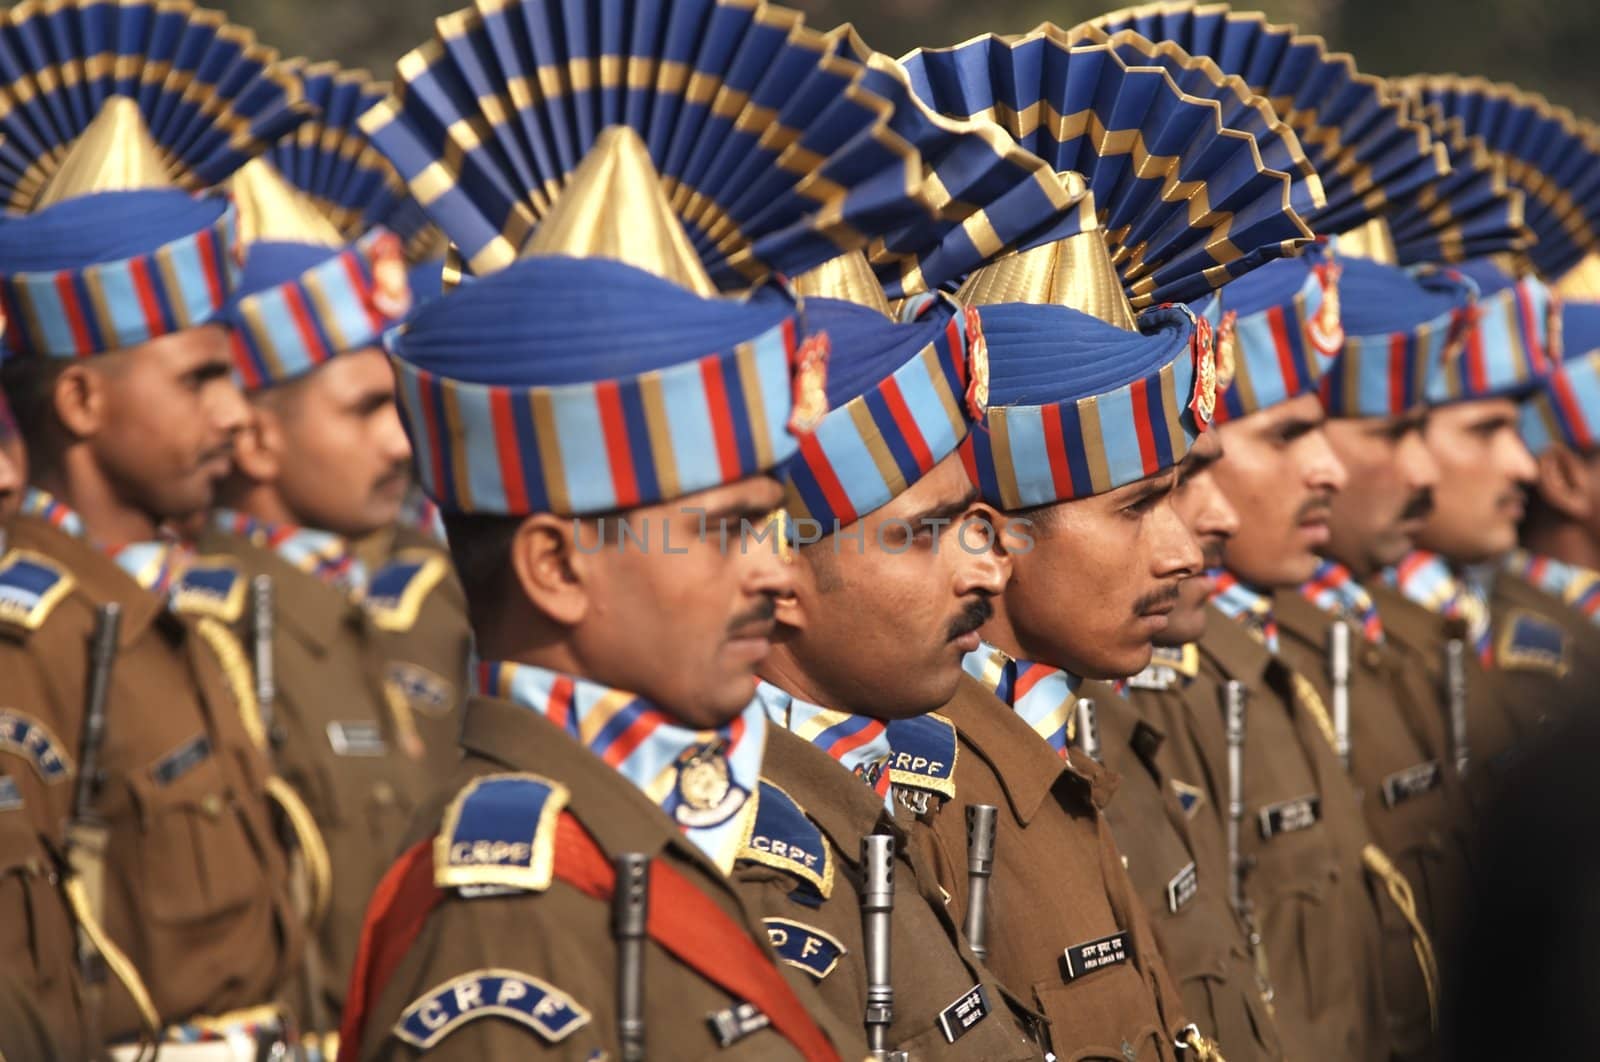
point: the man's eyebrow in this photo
(1195, 464)
(948, 510)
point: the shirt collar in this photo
(326, 555)
(859, 743)
(154, 565)
(1044, 697)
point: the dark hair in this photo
(480, 546)
(29, 382)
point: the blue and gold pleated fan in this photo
(1472, 211)
(1185, 203)
(771, 151)
(1000, 197)
(1242, 109)
(1549, 153)
(210, 97)
(1358, 132)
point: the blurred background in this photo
(1549, 46)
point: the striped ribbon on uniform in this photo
(1577, 586)
(1240, 601)
(1333, 588)
(1045, 697)
(860, 743)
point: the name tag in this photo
(1290, 816)
(960, 1016)
(1182, 888)
(1097, 954)
(737, 1022)
(357, 738)
(181, 760)
(1413, 781)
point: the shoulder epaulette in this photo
(486, 839)
(31, 586)
(27, 737)
(1167, 666)
(211, 586)
(782, 835)
(396, 591)
(924, 750)
(1529, 641)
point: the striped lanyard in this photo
(1334, 589)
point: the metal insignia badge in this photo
(810, 385)
(391, 291)
(1226, 344)
(977, 396)
(1326, 326)
(1204, 403)
(706, 792)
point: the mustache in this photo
(1320, 505)
(978, 612)
(1167, 595)
(760, 615)
(401, 471)
(1213, 550)
(1420, 505)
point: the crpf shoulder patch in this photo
(31, 586)
(804, 947)
(923, 756)
(1168, 668)
(519, 997)
(211, 586)
(783, 836)
(25, 736)
(500, 830)
(1530, 642)
(396, 591)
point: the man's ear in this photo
(554, 566)
(258, 448)
(1012, 537)
(79, 399)
(1563, 483)
(792, 608)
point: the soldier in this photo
(1094, 409)
(1535, 654)
(321, 462)
(132, 761)
(597, 426)
(884, 604)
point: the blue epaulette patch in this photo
(924, 750)
(1529, 641)
(783, 836)
(519, 997)
(211, 586)
(803, 946)
(427, 692)
(31, 586)
(500, 831)
(33, 741)
(396, 591)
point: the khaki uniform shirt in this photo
(42, 1013)
(1301, 842)
(561, 937)
(338, 739)
(946, 1005)
(1493, 734)
(1059, 888)
(421, 618)
(1414, 804)
(1183, 884)
(195, 881)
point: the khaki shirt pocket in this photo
(1097, 1016)
(193, 859)
(37, 937)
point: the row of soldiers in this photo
(1044, 548)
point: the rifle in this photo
(1339, 673)
(980, 866)
(1234, 723)
(1455, 670)
(86, 831)
(630, 911)
(1088, 729)
(877, 905)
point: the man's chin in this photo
(1183, 626)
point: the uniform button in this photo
(211, 804)
(1124, 862)
(383, 793)
(1372, 657)
(1128, 1052)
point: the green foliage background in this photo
(1550, 46)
